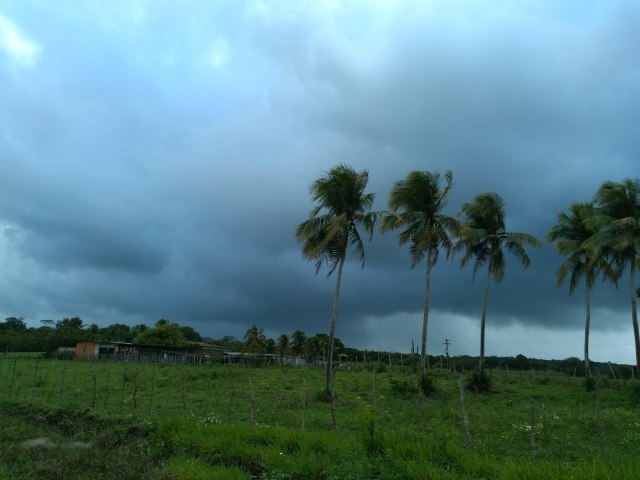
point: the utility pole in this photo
(446, 344)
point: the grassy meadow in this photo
(116, 420)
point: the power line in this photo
(551, 343)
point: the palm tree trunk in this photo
(587, 369)
(332, 330)
(634, 314)
(425, 317)
(483, 321)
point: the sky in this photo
(157, 156)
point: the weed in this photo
(371, 438)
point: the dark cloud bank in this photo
(157, 165)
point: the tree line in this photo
(601, 238)
(16, 336)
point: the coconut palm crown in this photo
(416, 205)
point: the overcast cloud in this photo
(156, 158)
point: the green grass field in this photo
(174, 422)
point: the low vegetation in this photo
(109, 420)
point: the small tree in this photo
(255, 340)
(282, 345)
(164, 333)
(297, 342)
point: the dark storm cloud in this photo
(156, 159)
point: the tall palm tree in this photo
(416, 205)
(571, 235)
(482, 238)
(343, 207)
(618, 221)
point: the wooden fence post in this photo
(233, 393)
(599, 418)
(252, 402)
(93, 377)
(465, 418)
(304, 402)
(13, 377)
(64, 372)
(533, 428)
(35, 378)
(124, 379)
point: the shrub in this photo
(403, 388)
(371, 438)
(589, 383)
(479, 381)
(425, 385)
(323, 396)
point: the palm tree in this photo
(255, 340)
(343, 207)
(571, 235)
(282, 345)
(416, 205)
(482, 238)
(297, 342)
(618, 221)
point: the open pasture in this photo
(215, 421)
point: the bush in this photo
(403, 388)
(479, 381)
(323, 396)
(589, 383)
(425, 385)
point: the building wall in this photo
(86, 349)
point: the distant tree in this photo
(138, 329)
(297, 342)
(521, 362)
(270, 346)
(67, 333)
(164, 333)
(313, 348)
(618, 235)
(482, 239)
(190, 334)
(570, 236)
(74, 323)
(416, 205)
(13, 324)
(282, 345)
(254, 340)
(116, 332)
(343, 207)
